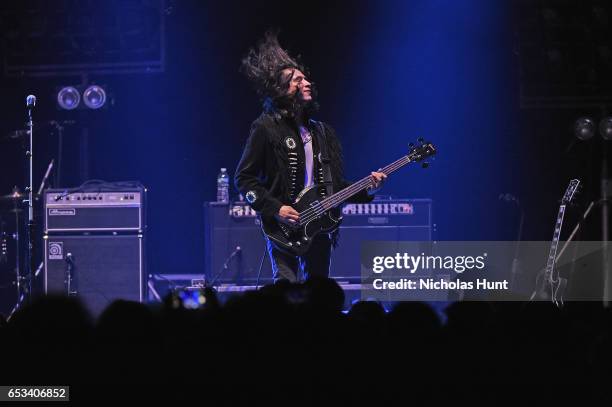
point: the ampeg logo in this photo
(56, 251)
(62, 212)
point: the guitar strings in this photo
(312, 213)
(332, 201)
(356, 187)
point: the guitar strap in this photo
(324, 159)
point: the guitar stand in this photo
(577, 228)
(602, 202)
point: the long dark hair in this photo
(264, 66)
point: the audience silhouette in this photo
(298, 336)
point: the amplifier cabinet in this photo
(104, 268)
(228, 226)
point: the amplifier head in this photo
(94, 211)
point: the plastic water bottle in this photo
(223, 186)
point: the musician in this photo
(282, 154)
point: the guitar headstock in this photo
(421, 151)
(570, 191)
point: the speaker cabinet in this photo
(104, 268)
(223, 233)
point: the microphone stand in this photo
(225, 267)
(25, 293)
(19, 279)
(30, 104)
(43, 183)
(27, 281)
(68, 277)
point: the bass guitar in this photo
(316, 214)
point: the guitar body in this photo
(296, 240)
(549, 287)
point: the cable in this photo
(263, 257)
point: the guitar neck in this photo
(356, 187)
(555, 240)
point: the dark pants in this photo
(315, 262)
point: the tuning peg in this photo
(421, 140)
(411, 145)
(425, 164)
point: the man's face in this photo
(298, 84)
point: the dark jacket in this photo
(270, 173)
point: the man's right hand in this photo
(288, 215)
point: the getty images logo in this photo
(412, 264)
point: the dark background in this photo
(454, 72)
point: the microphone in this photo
(236, 251)
(30, 104)
(30, 101)
(69, 259)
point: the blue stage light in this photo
(94, 97)
(68, 98)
